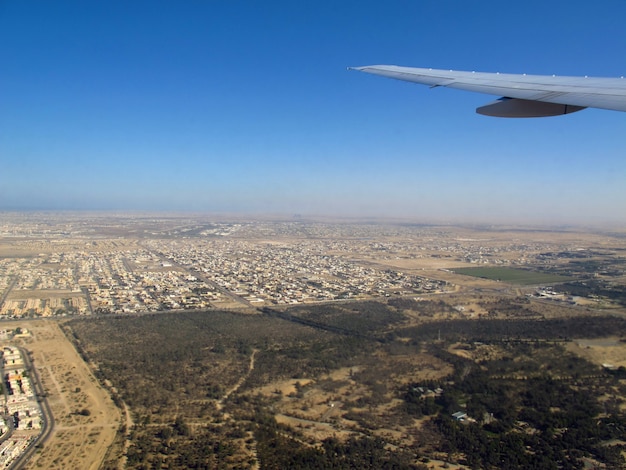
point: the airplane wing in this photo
(522, 95)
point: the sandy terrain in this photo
(318, 408)
(76, 441)
(609, 351)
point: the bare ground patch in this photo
(86, 420)
(609, 351)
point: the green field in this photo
(512, 275)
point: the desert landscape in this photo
(279, 344)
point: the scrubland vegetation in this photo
(359, 385)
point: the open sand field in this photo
(602, 351)
(76, 441)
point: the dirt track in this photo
(76, 441)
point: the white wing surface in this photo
(522, 95)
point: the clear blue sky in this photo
(247, 106)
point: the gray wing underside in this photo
(538, 93)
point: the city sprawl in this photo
(70, 264)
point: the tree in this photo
(181, 427)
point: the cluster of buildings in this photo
(21, 421)
(21, 402)
(44, 306)
(193, 274)
(548, 293)
(84, 282)
(127, 265)
(288, 273)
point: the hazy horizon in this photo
(249, 217)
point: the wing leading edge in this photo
(522, 95)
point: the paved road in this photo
(7, 291)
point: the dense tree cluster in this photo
(173, 447)
(519, 329)
(356, 318)
(539, 422)
(277, 451)
(595, 287)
